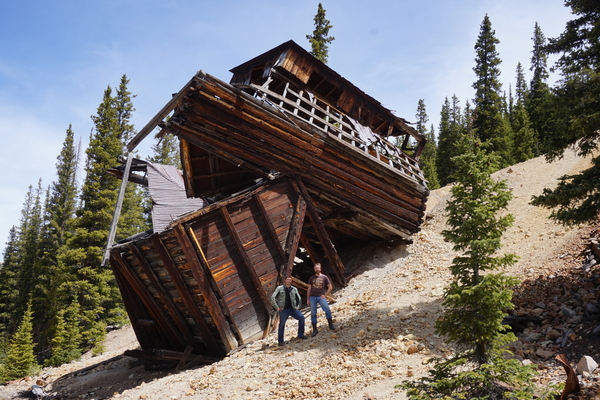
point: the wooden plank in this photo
(186, 163)
(117, 213)
(314, 256)
(183, 360)
(148, 300)
(332, 255)
(183, 291)
(286, 163)
(247, 263)
(294, 234)
(162, 114)
(148, 337)
(222, 96)
(234, 160)
(198, 267)
(162, 293)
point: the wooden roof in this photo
(327, 83)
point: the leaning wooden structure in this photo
(295, 163)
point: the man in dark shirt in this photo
(286, 300)
(319, 287)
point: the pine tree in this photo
(428, 156)
(166, 151)
(3, 351)
(521, 90)
(67, 338)
(59, 213)
(132, 220)
(31, 222)
(319, 40)
(476, 301)
(62, 199)
(509, 104)
(20, 358)
(476, 231)
(524, 135)
(538, 103)
(445, 145)
(87, 281)
(450, 130)
(489, 122)
(576, 199)
(9, 275)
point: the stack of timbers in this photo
(294, 164)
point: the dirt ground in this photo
(385, 319)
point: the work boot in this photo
(315, 330)
(330, 322)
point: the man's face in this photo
(317, 269)
(288, 282)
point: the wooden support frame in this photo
(294, 235)
(162, 293)
(151, 305)
(199, 266)
(244, 256)
(332, 255)
(272, 233)
(184, 360)
(178, 281)
(314, 256)
(117, 213)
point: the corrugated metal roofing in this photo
(169, 199)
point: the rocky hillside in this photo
(385, 319)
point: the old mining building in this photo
(282, 167)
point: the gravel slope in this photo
(385, 319)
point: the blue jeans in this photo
(283, 316)
(314, 300)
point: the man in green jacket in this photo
(286, 300)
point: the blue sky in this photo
(57, 58)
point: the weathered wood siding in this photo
(207, 280)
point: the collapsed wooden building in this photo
(293, 162)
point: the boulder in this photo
(586, 364)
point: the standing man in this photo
(286, 300)
(319, 287)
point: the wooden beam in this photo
(162, 293)
(258, 286)
(248, 143)
(224, 154)
(313, 214)
(184, 291)
(117, 213)
(186, 163)
(294, 235)
(175, 102)
(198, 267)
(269, 225)
(186, 354)
(149, 302)
(170, 355)
(148, 338)
(314, 256)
